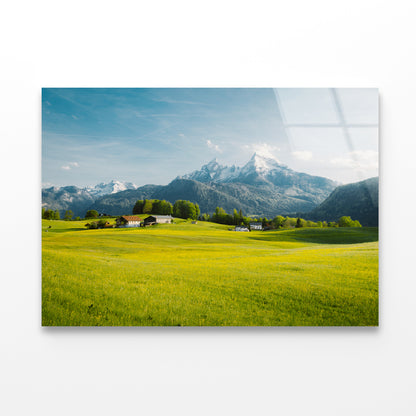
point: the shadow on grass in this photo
(321, 235)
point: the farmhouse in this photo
(256, 226)
(128, 221)
(158, 219)
(241, 228)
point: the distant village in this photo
(163, 212)
(133, 221)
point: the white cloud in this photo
(213, 146)
(74, 117)
(302, 155)
(70, 165)
(358, 160)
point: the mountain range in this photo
(262, 187)
(79, 200)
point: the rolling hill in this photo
(358, 200)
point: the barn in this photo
(256, 226)
(241, 228)
(128, 221)
(158, 219)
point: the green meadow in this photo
(202, 274)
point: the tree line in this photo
(220, 216)
(152, 206)
(180, 209)
(189, 210)
(50, 214)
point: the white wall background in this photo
(187, 371)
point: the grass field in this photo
(187, 274)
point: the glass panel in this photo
(359, 105)
(308, 106)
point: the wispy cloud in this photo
(70, 165)
(302, 155)
(174, 101)
(213, 146)
(358, 160)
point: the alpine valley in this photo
(262, 187)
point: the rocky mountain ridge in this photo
(262, 187)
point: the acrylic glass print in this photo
(210, 207)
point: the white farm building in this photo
(158, 219)
(256, 226)
(241, 228)
(128, 221)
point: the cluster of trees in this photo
(96, 224)
(180, 209)
(220, 216)
(152, 206)
(49, 214)
(348, 222)
(186, 209)
(91, 213)
(289, 222)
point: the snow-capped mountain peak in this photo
(110, 188)
(214, 172)
(212, 166)
(212, 163)
(263, 164)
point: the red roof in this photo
(131, 218)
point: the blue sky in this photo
(152, 135)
